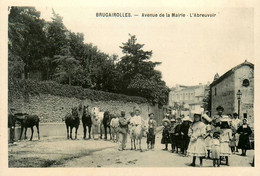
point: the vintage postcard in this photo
(111, 88)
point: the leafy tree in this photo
(139, 75)
(206, 102)
(66, 65)
(26, 37)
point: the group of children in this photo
(175, 132)
(204, 137)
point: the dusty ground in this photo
(60, 152)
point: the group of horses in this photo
(96, 121)
(92, 118)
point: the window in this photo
(245, 115)
(245, 82)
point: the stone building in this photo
(224, 91)
(190, 96)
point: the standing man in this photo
(137, 119)
(123, 129)
(216, 119)
(11, 125)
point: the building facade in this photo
(190, 96)
(224, 91)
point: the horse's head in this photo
(95, 113)
(85, 109)
(74, 112)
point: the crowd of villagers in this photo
(203, 137)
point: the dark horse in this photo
(72, 120)
(106, 124)
(28, 121)
(86, 121)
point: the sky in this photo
(192, 50)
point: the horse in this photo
(86, 121)
(28, 121)
(71, 121)
(136, 134)
(96, 118)
(106, 124)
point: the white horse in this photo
(136, 133)
(96, 118)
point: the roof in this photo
(228, 73)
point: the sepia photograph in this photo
(95, 86)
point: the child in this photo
(215, 149)
(197, 146)
(177, 133)
(165, 134)
(208, 137)
(151, 132)
(232, 143)
(114, 127)
(172, 135)
(185, 139)
(225, 137)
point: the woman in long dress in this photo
(244, 131)
(197, 146)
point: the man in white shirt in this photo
(137, 119)
(236, 121)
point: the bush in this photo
(18, 87)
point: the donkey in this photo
(28, 121)
(136, 135)
(71, 121)
(86, 121)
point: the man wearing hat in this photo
(123, 129)
(216, 118)
(11, 124)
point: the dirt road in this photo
(60, 152)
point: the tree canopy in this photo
(47, 50)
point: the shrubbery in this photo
(24, 88)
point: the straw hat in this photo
(173, 120)
(166, 120)
(186, 118)
(225, 118)
(196, 112)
